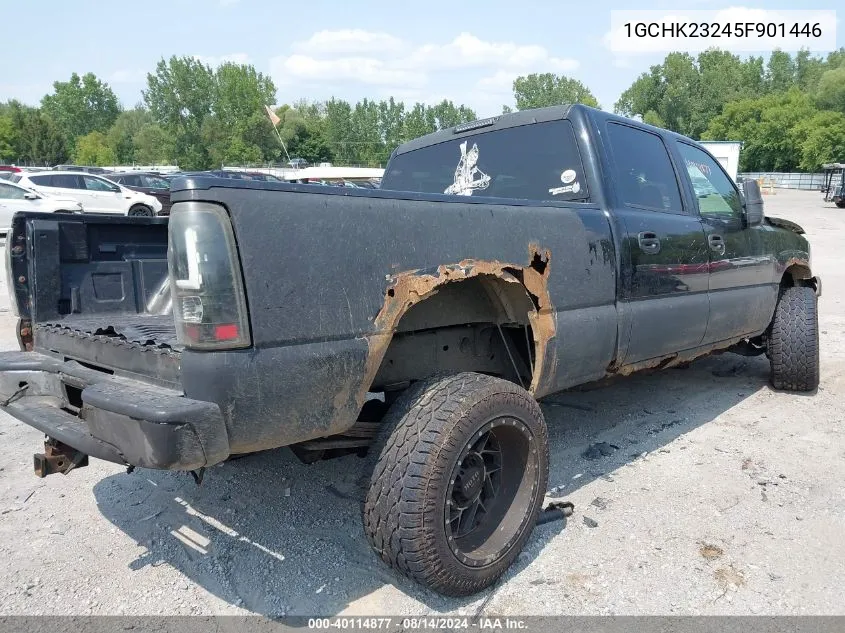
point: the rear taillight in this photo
(205, 278)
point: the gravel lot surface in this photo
(712, 494)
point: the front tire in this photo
(141, 210)
(459, 474)
(794, 340)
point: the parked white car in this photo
(14, 198)
(95, 193)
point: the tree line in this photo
(788, 111)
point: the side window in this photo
(716, 195)
(644, 174)
(43, 181)
(8, 192)
(95, 184)
(154, 182)
(133, 181)
(66, 181)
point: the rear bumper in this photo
(119, 420)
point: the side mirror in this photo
(753, 203)
(29, 195)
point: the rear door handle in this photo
(649, 242)
(717, 243)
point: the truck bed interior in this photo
(103, 279)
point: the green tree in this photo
(808, 70)
(391, 116)
(417, 123)
(153, 146)
(338, 130)
(240, 93)
(780, 72)
(830, 91)
(446, 114)
(822, 140)
(8, 138)
(770, 128)
(303, 130)
(121, 135)
(81, 105)
(547, 89)
(366, 137)
(180, 95)
(93, 149)
(40, 140)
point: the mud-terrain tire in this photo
(459, 474)
(793, 342)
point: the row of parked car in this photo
(77, 189)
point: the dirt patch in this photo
(729, 577)
(711, 552)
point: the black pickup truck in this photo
(417, 325)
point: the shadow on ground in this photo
(240, 537)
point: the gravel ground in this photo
(716, 495)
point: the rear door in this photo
(743, 281)
(664, 284)
(108, 197)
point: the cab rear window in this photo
(539, 161)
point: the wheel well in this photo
(797, 275)
(478, 324)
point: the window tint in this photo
(716, 194)
(8, 192)
(96, 184)
(644, 174)
(535, 162)
(44, 181)
(133, 180)
(66, 181)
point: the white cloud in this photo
(367, 70)
(378, 59)
(215, 61)
(469, 51)
(349, 42)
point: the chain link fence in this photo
(783, 180)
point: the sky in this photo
(468, 51)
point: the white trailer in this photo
(727, 153)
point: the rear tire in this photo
(794, 340)
(841, 204)
(141, 210)
(459, 475)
